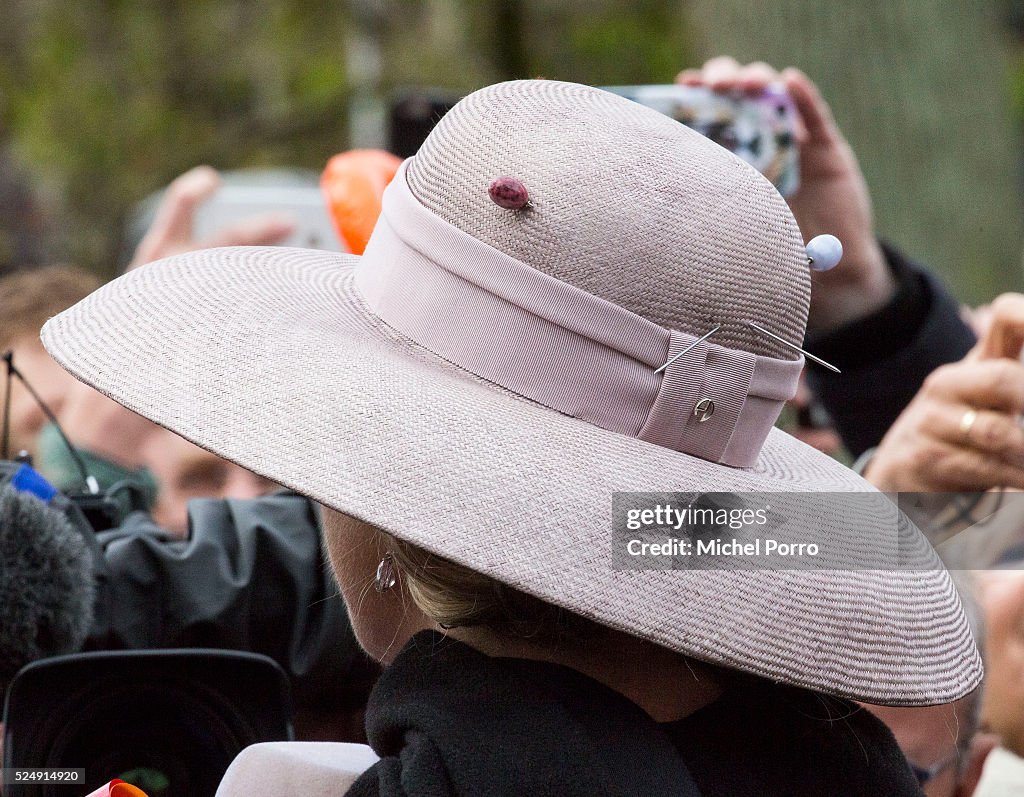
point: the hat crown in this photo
(628, 205)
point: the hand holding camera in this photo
(832, 196)
(759, 126)
(172, 231)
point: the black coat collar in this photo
(448, 720)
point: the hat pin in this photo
(824, 252)
(509, 193)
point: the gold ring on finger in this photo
(967, 422)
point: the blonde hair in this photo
(455, 596)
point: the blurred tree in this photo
(597, 41)
(605, 43)
(921, 89)
(22, 224)
(107, 100)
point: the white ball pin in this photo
(824, 252)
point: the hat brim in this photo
(269, 357)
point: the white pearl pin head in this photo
(824, 252)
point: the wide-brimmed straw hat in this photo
(485, 377)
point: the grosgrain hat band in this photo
(565, 348)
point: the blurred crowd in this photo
(203, 553)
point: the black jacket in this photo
(251, 576)
(886, 356)
(447, 720)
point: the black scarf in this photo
(448, 720)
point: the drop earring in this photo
(386, 578)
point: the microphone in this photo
(47, 582)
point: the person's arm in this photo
(885, 356)
(832, 196)
(886, 323)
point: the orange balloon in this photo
(353, 183)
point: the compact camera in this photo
(759, 128)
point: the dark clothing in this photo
(886, 356)
(251, 576)
(448, 720)
(764, 739)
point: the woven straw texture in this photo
(671, 227)
(270, 358)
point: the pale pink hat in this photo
(483, 379)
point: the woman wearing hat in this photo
(526, 335)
